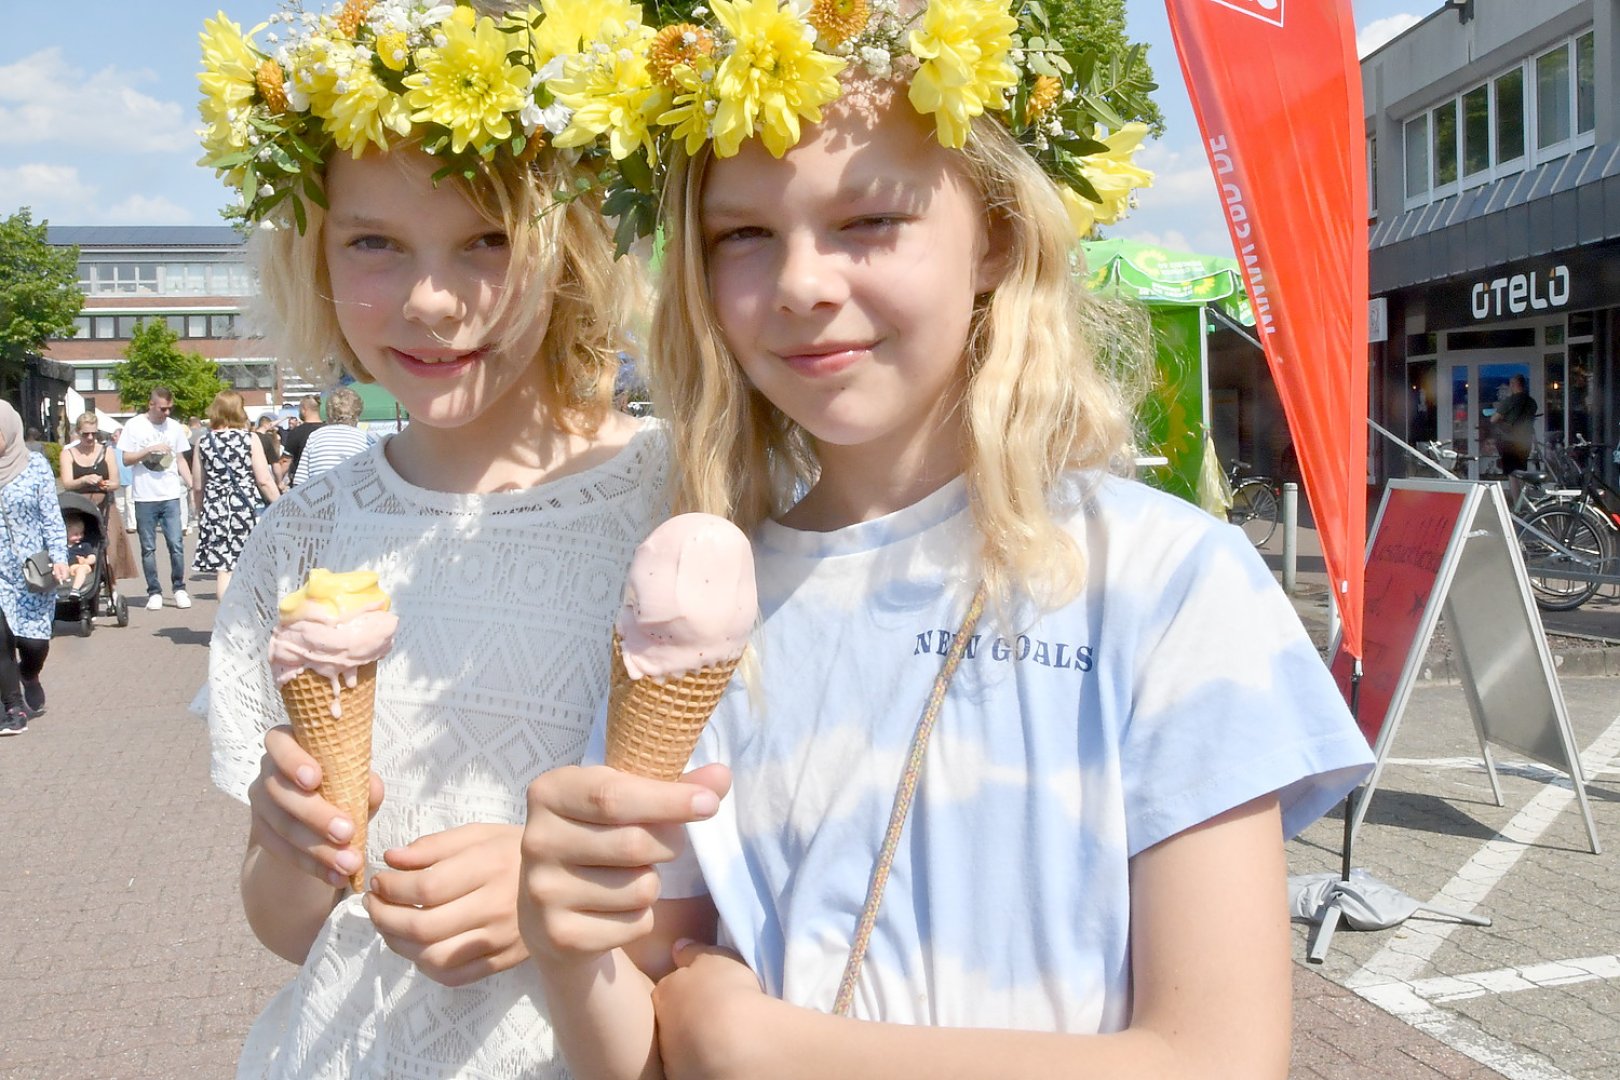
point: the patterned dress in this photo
(32, 520)
(506, 604)
(231, 498)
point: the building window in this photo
(1509, 117)
(127, 325)
(1417, 157)
(1476, 131)
(221, 326)
(1585, 85)
(1444, 126)
(81, 326)
(1372, 176)
(196, 326)
(84, 378)
(1552, 98)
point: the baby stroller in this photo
(99, 593)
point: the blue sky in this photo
(98, 107)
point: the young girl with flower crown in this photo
(1007, 790)
(418, 243)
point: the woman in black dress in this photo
(86, 468)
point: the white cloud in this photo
(45, 99)
(147, 210)
(1380, 31)
(36, 182)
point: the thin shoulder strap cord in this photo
(902, 806)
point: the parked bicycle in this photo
(1256, 503)
(1569, 543)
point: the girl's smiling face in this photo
(417, 275)
(843, 277)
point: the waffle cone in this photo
(653, 726)
(340, 744)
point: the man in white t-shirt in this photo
(154, 446)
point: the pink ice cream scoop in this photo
(689, 602)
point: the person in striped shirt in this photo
(335, 441)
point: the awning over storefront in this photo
(1561, 205)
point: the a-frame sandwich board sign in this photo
(1448, 547)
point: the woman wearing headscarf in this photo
(30, 521)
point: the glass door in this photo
(1473, 385)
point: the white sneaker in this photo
(182, 599)
(154, 602)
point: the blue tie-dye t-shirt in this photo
(1177, 685)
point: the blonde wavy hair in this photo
(1052, 373)
(562, 255)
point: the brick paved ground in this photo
(123, 953)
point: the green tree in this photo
(1100, 25)
(152, 359)
(39, 291)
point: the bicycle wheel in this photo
(1254, 510)
(1561, 538)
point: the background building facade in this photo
(1493, 155)
(194, 278)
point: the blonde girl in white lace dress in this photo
(501, 521)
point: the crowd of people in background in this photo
(157, 476)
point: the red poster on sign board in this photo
(1414, 531)
(1277, 89)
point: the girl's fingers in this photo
(604, 796)
(279, 847)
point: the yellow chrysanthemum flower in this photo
(352, 15)
(673, 46)
(612, 92)
(1042, 96)
(568, 22)
(228, 81)
(964, 47)
(688, 120)
(1114, 176)
(839, 20)
(467, 85)
(394, 50)
(360, 110)
(773, 78)
(314, 69)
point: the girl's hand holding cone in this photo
(445, 903)
(291, 821)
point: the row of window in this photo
(122, 327)
(1485, 132)
(164, 279)
(240, 375)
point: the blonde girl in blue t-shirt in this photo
(891, 325)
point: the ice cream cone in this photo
(341, 744)
(652, 725)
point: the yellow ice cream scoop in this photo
(334, 595)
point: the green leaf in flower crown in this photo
(314, 192)
(299, 216)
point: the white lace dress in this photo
(505, 605)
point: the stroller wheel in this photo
(87, 623)
(121, 609)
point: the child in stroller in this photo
(91, 586)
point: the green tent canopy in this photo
(1177, 288)
(1159, 277)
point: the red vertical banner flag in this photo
(1276, 86)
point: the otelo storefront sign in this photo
(1570, 281)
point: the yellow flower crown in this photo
(596, 81)
(745, 68)
(469, 86)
